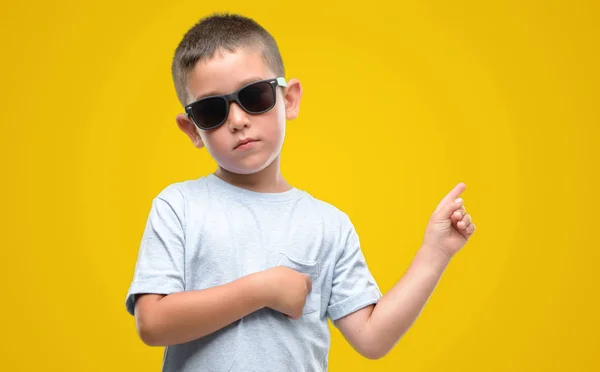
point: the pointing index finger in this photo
(453, 194)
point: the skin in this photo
(372, 331)
(259, 168)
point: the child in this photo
(239, 270)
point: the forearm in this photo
(400, 307)
(189, 315)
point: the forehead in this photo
(227, 72)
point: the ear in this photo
(189, 128)
(292, 96)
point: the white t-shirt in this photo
(206, 232)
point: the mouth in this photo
(245, 143)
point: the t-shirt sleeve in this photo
(353, 285)
(159, 267)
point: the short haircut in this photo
(218, 32)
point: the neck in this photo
(269, 179)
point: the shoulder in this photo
(329, 211)
(177, 198)
(182, 191)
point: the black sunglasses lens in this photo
(210, 112)
(257, 97)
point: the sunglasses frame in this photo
(233, 97)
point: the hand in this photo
(286, 290)
(450, 226)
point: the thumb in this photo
(445, 211)
(308, 284)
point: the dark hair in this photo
(221, 32)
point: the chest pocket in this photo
(313, 270)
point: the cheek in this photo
(274, 133)
(215, 142)
(275, 123)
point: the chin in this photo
(244, 168)
(249, 166)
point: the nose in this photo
(238, 118)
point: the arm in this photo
(188, 315)
(184, 316)
(374, 330)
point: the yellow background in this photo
(401, 102)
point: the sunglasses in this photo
(254, 98)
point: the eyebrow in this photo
(241, 84)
